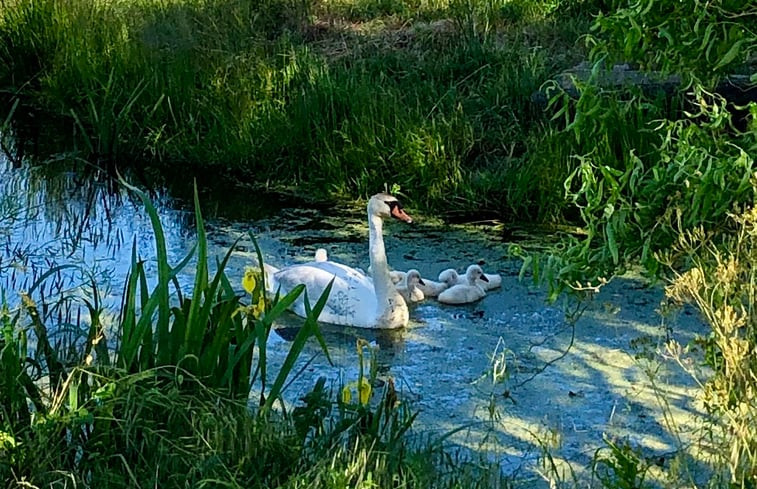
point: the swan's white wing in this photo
(352, 300)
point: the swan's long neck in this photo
(391, 309)
(381, 281)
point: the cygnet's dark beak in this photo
(483, 277)
(399, 213)
(420, 281)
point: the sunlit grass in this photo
(280, 93)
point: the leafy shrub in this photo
(720, 283)
(699, 41)
(644, 168)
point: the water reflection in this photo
(49, 218)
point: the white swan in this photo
(355, 299)
(410, 289)
(468, 292)
(451, 277)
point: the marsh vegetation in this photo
(330, 100)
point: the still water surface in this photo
(444, 362)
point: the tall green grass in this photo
(208, 334)
(243, 87)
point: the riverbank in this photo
(329, 99)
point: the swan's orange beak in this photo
(420, 281)
(483, 277)
(399, 213)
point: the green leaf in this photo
(730, 55)
(611, 244)
(195, 326)
(307, 330)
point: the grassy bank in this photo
(339, 98)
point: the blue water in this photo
(443, 363)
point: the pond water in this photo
(518, 375)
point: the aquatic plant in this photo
(208, 333)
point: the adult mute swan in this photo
(410, 289)
(471, 291)
(355, 299)
(451, 277)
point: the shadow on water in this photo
(510, 368)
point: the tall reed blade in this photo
(308, 330)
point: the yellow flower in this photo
(364, 392)
(259, 308)
(248, 281)
(346, 394)
(363, 388)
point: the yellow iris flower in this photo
(257, 309)
(364, 390)
(248, 281)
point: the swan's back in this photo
(495, 280)
(352, 300)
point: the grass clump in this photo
(305, 92)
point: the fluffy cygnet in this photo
(409, 288)
(466, 293)
(432, 289)
(451, 277)
(396, 276)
